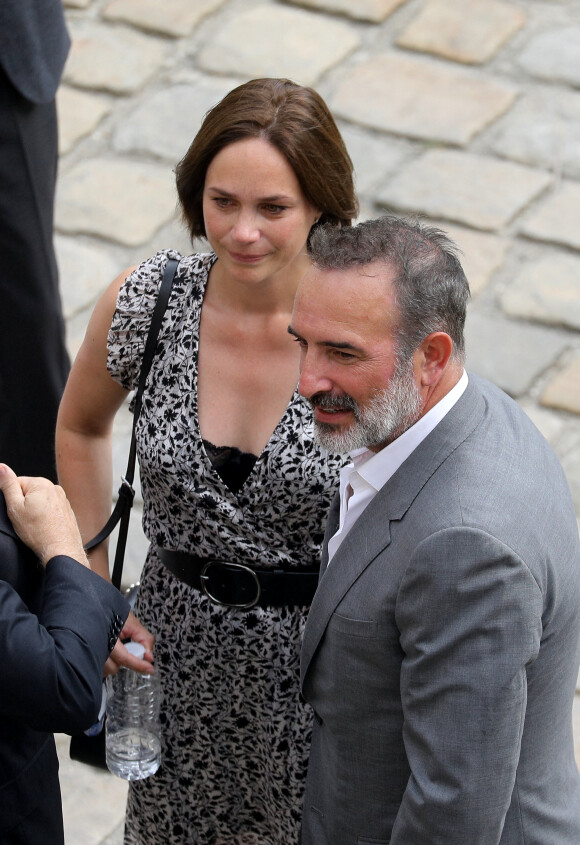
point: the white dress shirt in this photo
(362, 479)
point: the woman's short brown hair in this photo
(296, 121)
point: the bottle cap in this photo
(137, 649)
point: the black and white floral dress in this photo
(235, 736)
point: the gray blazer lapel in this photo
(355, 553)
(371, 533)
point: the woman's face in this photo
(256, 217)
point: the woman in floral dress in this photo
(235, 489)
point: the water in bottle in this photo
(132, 725)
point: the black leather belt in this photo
(237, 585)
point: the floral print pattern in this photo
(235, 735)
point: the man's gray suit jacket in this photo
(33, 46)
(442, 647)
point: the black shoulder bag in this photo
(91, 749)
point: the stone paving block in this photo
(85, 272)
(76, 327)
(112, 58)
(548, 423)
(481, 254)
(171, 17)
(277, 41)
(79, 113)
(543, 130)
(374, 157)
(473, 189)
(88, 818)
(563, 391)
(554, 55)
(366, 212)
(470, 32)
(374, 11)
(114, 838)
(556, 219)
(125, 201)
(547, 289)
(181, 107)
(423, 99)
(175, 235)
(494, 350)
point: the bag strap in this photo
(122, 509)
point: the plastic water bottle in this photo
(132, 727)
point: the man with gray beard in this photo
(442, 647)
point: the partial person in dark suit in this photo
(33, 361)
(58, 623)
(441, 650)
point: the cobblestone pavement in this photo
(467, 113)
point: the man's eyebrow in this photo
(333, 344)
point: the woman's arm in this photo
(84, 454)
(84, 428)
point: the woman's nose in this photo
(245, 229)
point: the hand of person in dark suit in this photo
(42, 516)
(43, 519)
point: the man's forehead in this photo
(353, 301)
(352, 288)
(364, 275)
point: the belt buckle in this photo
(206, 586)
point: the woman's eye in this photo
(222, 202)
(274, 209)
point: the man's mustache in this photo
(325, 399)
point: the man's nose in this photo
(313, 378)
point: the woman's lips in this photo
(244, 258)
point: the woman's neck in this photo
(271, 296)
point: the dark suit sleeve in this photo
(470, 616)
(34, 44)
(51, 665)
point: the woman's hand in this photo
(135, 631)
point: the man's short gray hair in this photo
(430, 287)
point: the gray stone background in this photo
(466, 112)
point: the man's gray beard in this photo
(389, 413)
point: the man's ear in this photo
(432, 357)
